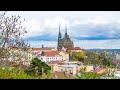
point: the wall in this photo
(76, 50)
(65, 56)
(50, 58)
(60, 68)
(89, 68)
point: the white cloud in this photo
(33, 27)
(99, 20)
(54, 22)
(45, 43)
(80, 24)
(101, 44)
(48, 25)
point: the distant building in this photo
(111, 55)
(114, 55)
(118, 56)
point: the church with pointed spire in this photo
(64, 42)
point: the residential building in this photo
(21, 56)
(54, 56)
(89, 68)
(118, 56)
(71, 69)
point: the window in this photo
(70, 72)
(61, 70)
(65, 70)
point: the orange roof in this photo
(55, 62)
(63, 51)
(53, 53)
(99, 69)
(41, 48)
(58, 74)
(75, 48)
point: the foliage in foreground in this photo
(13, 73)
(95, 76)
(37, 66)
(87, 76)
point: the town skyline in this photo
(87, 29)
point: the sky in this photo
(87, 29)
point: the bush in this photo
(13, 73)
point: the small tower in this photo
(42, 46)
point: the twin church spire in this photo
(65, 31)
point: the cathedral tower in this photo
(65, 42)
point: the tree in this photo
(37, 66)
(72, 56)
(12, 46)
(81, 56)
(105, 59)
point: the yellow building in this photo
(89, 68)
(65, 68)
(71, 69)
(65, 55)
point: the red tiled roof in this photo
(41, 48)
(55, 62)
(53, 53)
(75, 48)
(115, 62)
(58, 74)
(99, 69)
